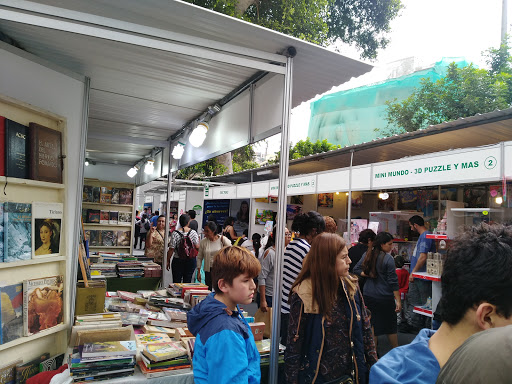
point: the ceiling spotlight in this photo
(86, 163)
(149, 167)
(337, 193)
(499, 200)
(198, 135)
(385, 196)
(133, 171)
(380, 195)
(178, 150)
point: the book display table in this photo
(132, 284)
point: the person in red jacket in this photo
(403, 282)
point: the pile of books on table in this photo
(264, 350)
(103, 270)
(152, 269)
(164, 359)
(191, 293)
(130, 269)
(102, 360)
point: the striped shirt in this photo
(294, 254)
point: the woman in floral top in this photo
(155, 241)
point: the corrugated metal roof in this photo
(143, 92)
(482, 129)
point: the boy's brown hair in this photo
(231, 262)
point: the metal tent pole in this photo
(349, 202)
(165, 276)
(281, 215)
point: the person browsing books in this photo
(182, 267)
(225, 351)
(155, 241)
(208, 248)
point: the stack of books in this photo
(98, 320)
(130, 269)
(178, 289)
(264, 350)
(152, 269)
(103, 270)
(163, 359)
(102, 360)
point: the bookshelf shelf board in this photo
(106, 247)
(38, 335)
(30, 183)
(39, 260)
(107, 225)
(107, 204)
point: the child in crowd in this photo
(403, 283)
(225, 351)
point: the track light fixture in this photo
(198, 135)
(88, 162)
(133, 171)
(178, 150)
(149, 167)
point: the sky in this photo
(428, 31)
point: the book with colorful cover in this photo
(164, 351)
(96, 191)
(43, 306)
(17, 150)
(93, 216)
(104, 217)
(150, 373)
(52, 363)
(87, 196)
(45, 154)
(75, 361)
(17, 232)
(177, 362)
(152, 338)
(123, 238)
(115, 195)
(106, 195)
(47, 228)
(126, 196)
(11, 313)
(27, 370)
(109, 348)
(1, 233)
(94, 238)
(107, 238)
(154, 329)
(113, 217)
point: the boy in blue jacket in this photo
(225, 351)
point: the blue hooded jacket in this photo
(413, 363)
(224, 351)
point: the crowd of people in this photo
(337, 300)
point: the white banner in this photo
(224, 192)
(508, 160)
(469, 165)
(296, 186)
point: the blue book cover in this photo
(1, 232)
(11, 312)
(17, 232)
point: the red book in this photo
(2, 146)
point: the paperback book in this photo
(126, 196)
(1, 232)
(104, 217)
(152, 338)
(42, 304)
(27, 370)
(52, 363)
(8, 372)
(96, 194)
(17, 150)
(47, 228)
(94, 238)
(106, 195)
(107, 238)
(87, 194)
(11, 313)
(113, 217)
(164, 351)
(110, 348)
(115, 195)
(93, 216)
(125, 218)
(123, 238)
(17, 232)
(45, 154)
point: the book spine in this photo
(25, 308)
(2, 248)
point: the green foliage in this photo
(305, 148)
(363, 23)
(462, 92)
(242, 159)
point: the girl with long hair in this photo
(381, 290)
(329, 333)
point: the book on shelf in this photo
(106, 195)
(17, 151)
(43, 307)
(104, 217)
(113, 217)
(94, 238)
(109, 348)
(8, 372)
(164, 351)
(126, 196)
(45, 153)
(17, 232)
(47, 228)
(2, 146)
(51, 363)
(93, 216)
(96, 192)
(87, 196)
(123, 238)
(107, 238)
(11, 312)
(25, 371)
(115, 195)
(125, 218)
(84, 215)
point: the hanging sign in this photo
(228, 192)
(296, 186)
(450, 168)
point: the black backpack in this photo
(146, 225)
(186, 249)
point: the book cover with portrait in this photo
(47, 228)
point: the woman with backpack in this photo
(144, 228)
(183, 246)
